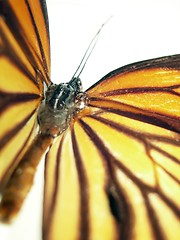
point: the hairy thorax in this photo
(60, 105)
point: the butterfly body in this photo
(112, 162)
(62, 102)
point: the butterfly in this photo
(112, 165)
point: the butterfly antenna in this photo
(89, 51)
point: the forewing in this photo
(24, 67)
(148, 91)
(25, 35)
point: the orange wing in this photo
(148, 91)
(114, 173)
(24, 66)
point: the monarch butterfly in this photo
(114, 169)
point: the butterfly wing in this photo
(116, 169)
(24, 67)
(148, 91)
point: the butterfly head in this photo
(60, 105)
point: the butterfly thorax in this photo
(60, 105)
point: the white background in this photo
(139, 29)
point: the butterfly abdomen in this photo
(22, 179)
